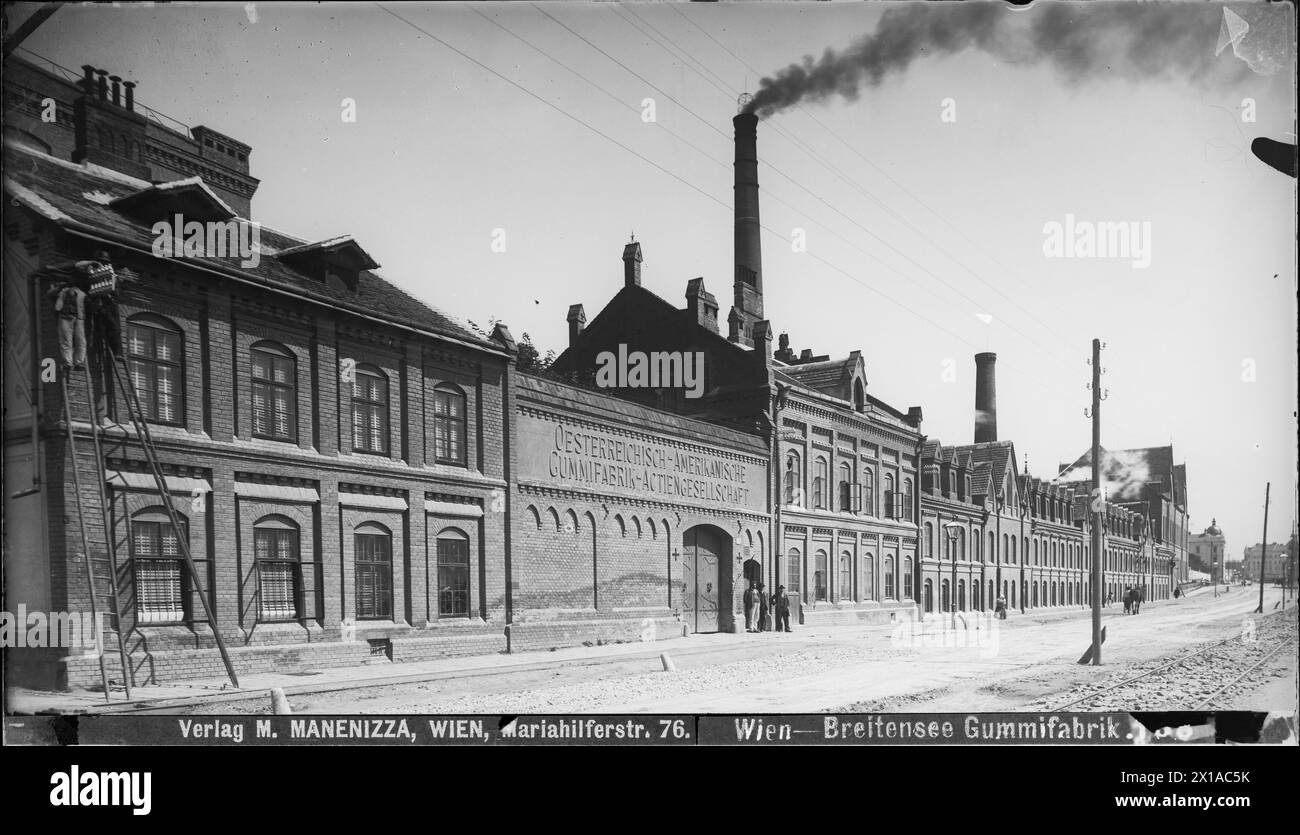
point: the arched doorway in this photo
(706, 575)
(753, 572)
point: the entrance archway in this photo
(706, 572)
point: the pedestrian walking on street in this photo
(1137, 601)
(763, 612)
(751, 606)
(1000, 607)
(781, 604)
(1128, 600)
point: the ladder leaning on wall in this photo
(103, 281)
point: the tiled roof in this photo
(1127, 472)
(77, 197)
(832, 377)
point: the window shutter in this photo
(857, 498)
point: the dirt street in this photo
(1026, 662)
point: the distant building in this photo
(1207, 550)
(1274, 562)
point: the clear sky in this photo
(918, 229)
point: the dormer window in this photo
(859, 395)
(336, 263)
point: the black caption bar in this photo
(386, 730)
(1064, 729)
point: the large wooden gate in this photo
(705, 560)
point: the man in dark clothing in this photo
(781, 605)
(750, 604)
(762, 609)
(1128, 600)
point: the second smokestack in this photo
(749, 253)
(986, 398)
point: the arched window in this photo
(929, 541)
(929, 595)
(275, 392)
(821, 479)
(846, 488)
(155, 354)
(1013, 549)
(1035, 553)
(537, 518)
(370, 410)
(373, 552)
(793, 570)
(868, 583)
(945, 596)
(961, 595)
(992, 554)
(453, 574)
(890, 588)
(891, 498)
(820, 576)
(907, 578)
(449, 425)
(793, 480)
(279, 573)
(975, 547)
(845, 590)
(869, 491)
(161, 581)
(907, 499)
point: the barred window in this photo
(793, 570)
(161, 582)
(370, 411)
(154, 349)
(275, 394)
(449, 425)
(373, 553)
(453, 575)
(279, 577)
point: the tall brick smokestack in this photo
(749, 253)
(986, 398)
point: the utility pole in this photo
(1263, 554)
(1097, 503)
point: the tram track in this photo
(1193, 668)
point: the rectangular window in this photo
(160, 577)
(154, 359)
(274, 409)
(793, 572)
(278, 575)
(370, 413)
(453, 578)
(374, 576)
(449, 427)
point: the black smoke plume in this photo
(1132, 40)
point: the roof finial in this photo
(633, 236)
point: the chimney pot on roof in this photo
(577, 319)
(117, 89)
(805, 355)
(103, 84)
(88, 79)
(130, 94)
(632, 265)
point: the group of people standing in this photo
(759, 607)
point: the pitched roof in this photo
(1126, 472)
(81, 197)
